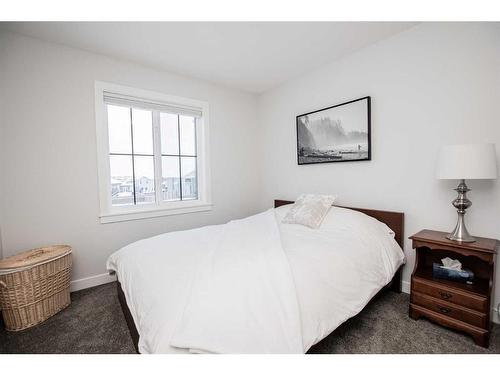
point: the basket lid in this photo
(34, 256)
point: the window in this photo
(152, 155)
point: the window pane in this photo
(188, 135)
(170, 185)
(189, 180)
(142, 122)
(169, 134)
(122, 191)
(119, 129)
(144, 179)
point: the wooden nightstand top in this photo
(484, 245)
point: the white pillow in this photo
(309, 210)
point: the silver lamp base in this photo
(460, 233)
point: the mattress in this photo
(335, 271)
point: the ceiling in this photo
(251, 56)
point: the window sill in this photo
(150, 213)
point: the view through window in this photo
(152, 156)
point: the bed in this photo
(181, 293)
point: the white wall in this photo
(434, 84)
(48, 151)
(431, 85)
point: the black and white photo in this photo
(333, 134)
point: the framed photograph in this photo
(334, 134)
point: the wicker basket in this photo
(34, 285)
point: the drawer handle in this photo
(445, 295)
(444, 310)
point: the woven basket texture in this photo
(34, 293)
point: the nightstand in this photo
(456, 305)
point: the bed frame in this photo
(394, 220)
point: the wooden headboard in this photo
(394, 220)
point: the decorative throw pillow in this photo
(309, 210)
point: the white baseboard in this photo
(405, 287)
(89, 282)
(494, 316)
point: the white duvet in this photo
(254, 285)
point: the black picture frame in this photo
(313, 158)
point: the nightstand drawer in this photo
(449, 309)
(458, 297)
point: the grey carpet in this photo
(94, 323)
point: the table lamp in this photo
(461, 162)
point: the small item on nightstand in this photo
(452, 273)
(452, 270)
(452, 264)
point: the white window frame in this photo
(110, 213)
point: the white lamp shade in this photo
(471, 161)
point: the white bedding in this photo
(281, 291)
